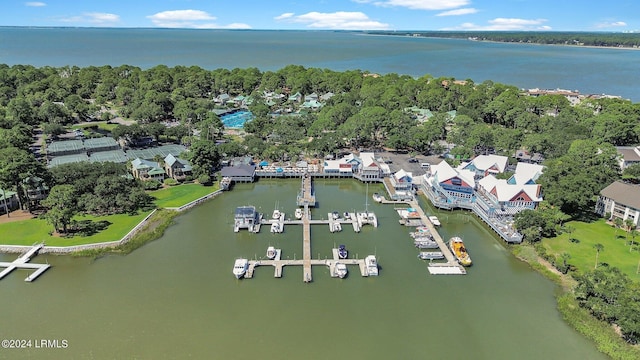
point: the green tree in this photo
(204, 157)
(62, 206)
(599, 247)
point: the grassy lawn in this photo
(176, 196)
(583, 254)
(100, 124)
(28, 232)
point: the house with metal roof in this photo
(620, 200)
(177, 168)
(8, 201)
(147, 170)
(483, 165)
(630, 156)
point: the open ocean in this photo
(588, 70)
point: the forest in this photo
(608, 39)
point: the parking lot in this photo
(401, 161)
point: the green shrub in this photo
(170, 182)
(151, 185)
(204, 179)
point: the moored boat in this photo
(377, 197)
(434, 220)
(276, 214)
(298, 213)
(346, 215)
(271, 253)
(275, 228)
(425, 244)
(341, 270)
(240, 268)
(459, 251)
(336, 227)
(431, 255)
(342, 252)
(372, 265)
(335, 215)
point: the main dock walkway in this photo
(22, 263)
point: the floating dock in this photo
(306, 199)
(22, 262)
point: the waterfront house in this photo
(483, 165)
(503, 198)
(177, 168)
(239, 173)
(448, 186)
(8, 199)
(36, 189)
(346, 165)
(526, 174)
(368, 168)
(147, 170)
(620, 200)
(630, 155)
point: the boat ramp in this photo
(22, 262)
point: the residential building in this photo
(630, 155)
(147, 170)
(177, 168)
(368, 168)
(8, 200)
(483, 165)
(449, 187)
(621, 200)
(502, 198)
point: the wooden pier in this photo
(451, 266)
(306, 198)
(22, 262)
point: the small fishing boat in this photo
(372, 265)
(346, 215)
(434, 220)
(425, 244)
(377, 197)
(271, 253)
(335, 215)
(336, 227)
(431, 255)
(275, 228)
(298, 213)
(341, 270)
(342, 252)
(276, 214)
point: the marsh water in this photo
(176, 297)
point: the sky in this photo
(498, 15)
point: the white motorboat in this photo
(377, 197)
(434, 220)
(240, 268)
(271, 253)
(276, 214)
(275, 228)
(298, 213)
(372, 265)
(341, 270)
(336, 227)
(431, 255)
(346, 215)
(335, 215)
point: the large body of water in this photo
(176, 297)
(591, 71)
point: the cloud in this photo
(456, 12)
(95, 18)
(35, 4)
(284, 16)
(340, 20)
(419, 4)
(195, 19)
(506, 24)
(611, 24)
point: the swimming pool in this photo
(236, 119)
